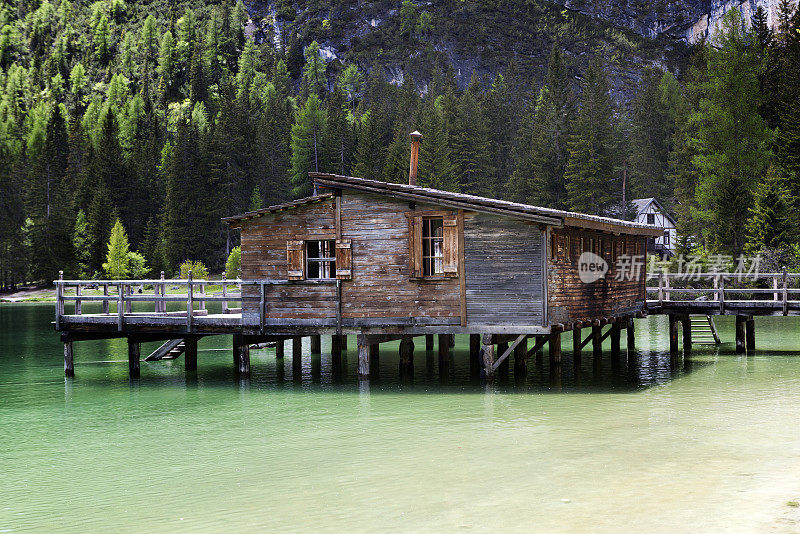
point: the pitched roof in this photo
(539, 214)
(235, 219)
(642, 204)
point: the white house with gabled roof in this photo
(650, 211)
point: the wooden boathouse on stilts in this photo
(387, 262)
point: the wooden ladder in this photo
(704, 331)
(168, 351)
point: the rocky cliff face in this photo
(709, 23)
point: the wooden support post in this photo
(504, 365)
(452, 340)
(686, 323)
(78, 306)
(280, 346)
(69, 365)
(555, 348)
(428, 342)
(616, 333)
(597, 341)
(190, 353)
(134, 351)
(576, 342)
(673, 334)
(316, 344)
(631, 334)
(521, 359)
(344, 341)
(750, 341)
(407, 355)
(241, 356)
(488, 356)
(374, 351)
(740, 333)
(363, 357)
(297, 353)
(105, 301)
(475, 363)
(444, 351)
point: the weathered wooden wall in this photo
(504, 270)
(381, 286)
(264, 257)
(569, 299)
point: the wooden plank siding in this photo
(503, 263)
(382, 284)
(264, 257)
(569, 299)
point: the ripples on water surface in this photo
(707, 444)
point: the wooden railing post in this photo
(721, 293)
(105, 301)
(224, 293)
(129, 302)
(661, 288)
(120, 306)
(59, 299)
(785, 293)
(775, 296)
(78, 306)
(189, 301)
(163, 293)
(666, 286)
(202, 304)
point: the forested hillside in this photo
(171, 115)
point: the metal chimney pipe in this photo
(412, 171)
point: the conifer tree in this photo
(542, 152)
(589, 175)
(117, 264)
(435, 163)
(772, 222)
(370, 153)
(308, 132)
(81, 247)
(732, 137)
(470, 143)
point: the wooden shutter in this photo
(294, 260)
(415, 246)
(450, 245)
(344, 259)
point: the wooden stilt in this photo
(363, 357)
(555, 348)
(673, 334)
(452, 340)
(429, 342)
(488, 356)
(740, 333)
(407, 355)
(297, 353)
(597, 341)
(576, 342)
(521, 359)
(475, 362)
(344, 342)
(631, 331)
(190, 354)
(241, 356)
(316, 344)
(504, 366)
(69, 365)
(615, 335)
(444, 351)
(336, 349)
(750, 341)
(686, 323)
(280, 348)
(134, 351)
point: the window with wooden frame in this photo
(319, 259)
(433, 244)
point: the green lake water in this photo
(707, 443)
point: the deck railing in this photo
(126, 293)
(781, 289)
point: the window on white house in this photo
(321, 259)
(651, 218)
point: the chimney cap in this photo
(415, 135)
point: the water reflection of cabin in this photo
(375, 257)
